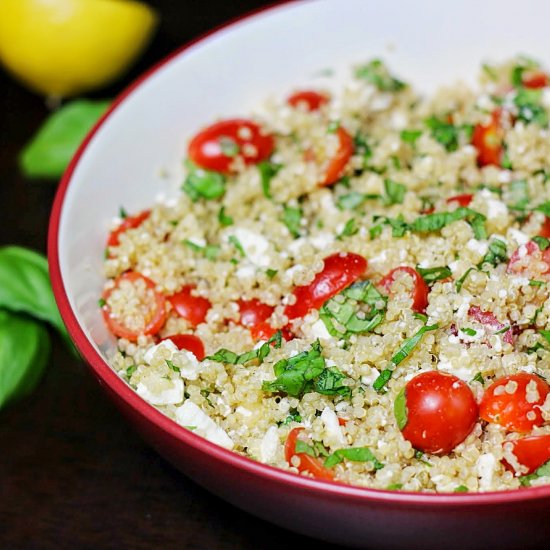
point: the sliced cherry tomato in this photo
(531, 452)
(487, 318)
(130, 222)
(189, 342)
(155, 314)
(544, 231)
(340, 271)
(338, 162)
(522, 258)
(253, 312)
(462, 200)
(216, 147)
(534, 79)
(436, 412)
(307, 463)
(191, 308)
(310, 99)
(514, 402)
(488, 141)
(419, 292)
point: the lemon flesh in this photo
(62, 48)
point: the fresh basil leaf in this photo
(267, 171)
(237, 244)
(444, 132)
(462, 279)
(303, 448)
(496, 254)
(354, 454)
(395, 192)
(542, 471)
(292, 218)
(469, 331)
(49, 152)
(329, 382)
(24, 353)
(544, 208)
(433, 274)
(400, 410)
(203, 184)
(461, 489)
(223, 218)
(293, 416)
(542, 242)
(354, 200)
(410, 136)
(25, 287)
(376, 73)
(530, 108)
(349, 230)
(479, 378)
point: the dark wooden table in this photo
(72, 473)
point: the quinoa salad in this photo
(353, 284)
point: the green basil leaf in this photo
(24, 352)
(329, 382)
(354, 454)
(544, 208)
(433, 274)
(542, 242)
(530, 108)
(223, 218)
(203, 184)
(400, 409)
(395, 192)
(376, 73)
(292, 218)
(542, 471)
(349, 230)
(49, 152)
(462, 279)
(410, 136)
(303, 448)
(267, 171)
(496, 253)
(25, 287)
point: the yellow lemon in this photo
(65, 47)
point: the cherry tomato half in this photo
(436, 412)
(216, 147)
(307, 463)
(531, 452)
(130, 222)
(523, 257)
(462, 200)
(340, 271)
(514, 402)
(488, 319)
(191, 308)
(310, 99)
(534, 79)
(420, 290)
(154, 314)
(189, 342)
(544, 231)
(253, 312)
(338, 162)
(488, 141)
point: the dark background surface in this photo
(72, 473)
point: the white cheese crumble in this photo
(164, 345)
(519, 236)
(485, 467)
(193, 417)
(269, 444)
(480, 247)
(160, 391)
(319, 330)
(334, 435)
(255, 246)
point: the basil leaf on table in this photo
(49, 152)
(24, 352)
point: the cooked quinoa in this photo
(262, 230)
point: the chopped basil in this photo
(271, 273)
(530, 109)
(403, 352)
(394, 487)
(376, 73)
(361, 147)
(496, 254)
(479, 378)
(519, 195)
(345, 314)
(354, 454)
(267, 171)
(545, 334)
(489, 71)
(461, 489)
(101, 302)
(354, 200)
(349, 229)
(130, 370)
(292, 218)
(237, 244)
(438, 220)
(447, 133)
(532, 282)
(433, 274)
(210, 251)
(503, 330)
(293, 416)
(303, 448)
(462, 279)
(400, 410)
(329, 382)
(542, 471)
(410, 136)
(333, 125)
(122, 213)
(468, 331)
(395, 192)
(204, 184)
(172, 366)
(223, 218)
(420, 317)
(231, 358)
(544, 208)
(542, 242)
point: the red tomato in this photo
(544, 231)
(340, 271)
(517, 411)
(488, 141)
(531, 452)
(253, 312)
(215, 147)
(130, 222)
(440, 412)
(462, 200)
(191, 308)
(534, 79)
(522, 256)
(419, 292)
(307, 463)
(338, 162)
(154, 317)
(310, 99)
(189, 342)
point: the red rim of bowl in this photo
(104, 372)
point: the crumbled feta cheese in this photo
(319, 330)
(246, 271)
(167, 345)
(519, 236)
(243, 411)
(192, 416)
(160, 391)
(485, 469)
(255, 246)
(480, 247)
(269, 444)
(334, 435)
(496, 209)
(368, 379)
(322, 240)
